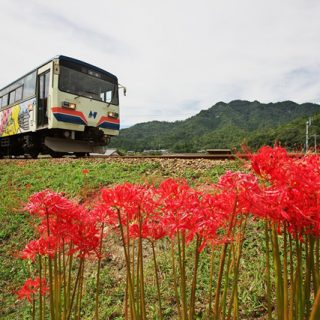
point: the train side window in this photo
(46, 88)
(18, 94)
(12, 96)
(29, 85)
(108, 96)
(4, 102)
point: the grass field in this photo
(81, 180)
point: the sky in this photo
(176, 57)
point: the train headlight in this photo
(67, 134)
(69, 105)
(113, 115)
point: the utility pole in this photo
(308, 124)
(315, 143)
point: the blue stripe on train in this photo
(69, 118)
(109, 125)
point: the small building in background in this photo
(155, 152)
(108, 153)
(111, 152)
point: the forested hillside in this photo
(224, 125)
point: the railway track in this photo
(176, 156)
(191, 156)
(186, 156)
(171, 156)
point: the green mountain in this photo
(292, 134)
(224, 125)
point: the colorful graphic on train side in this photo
(15, 119)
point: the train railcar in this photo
(65, 106)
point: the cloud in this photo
(175, 57)
(53, 23)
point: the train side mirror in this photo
(124, 89)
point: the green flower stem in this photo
(292, 280)
(51, 292)
(278, 272)
(317, 262)
(183, 291)
(56, 287)
(210, 289)
(308, 275)
(222, 262)
(64, 262)
(75, 288)
(268, 275)
(156, 272)
(142, 291)
(80, 292)
(33, 312)
(136, 280)
(45, 277)
(312, 264)
(285, 274)
(299, 283)
(219, 281)
(315, 312)
(229, 263)
(40, 289)
(127, 258)
(175, 279)
(98, 273)
(194, 280)
(234, 294)
(68, 290)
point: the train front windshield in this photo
(84, 82)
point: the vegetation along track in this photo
(182, 156)
(169, 156)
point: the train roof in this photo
(69, 59)
(65, 58)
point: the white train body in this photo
(64, 106)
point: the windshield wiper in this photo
(91, 92)
(87, 94)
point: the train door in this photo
(43, 94)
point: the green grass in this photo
(19, 179)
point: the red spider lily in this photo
(46, 202)
(180, 207)
(266, 162)
(41, 247)
(213, 216)
(31, 287)
(154, 230)
(61, 222)
(132, 201)
(104, 214)
(150, 229)
(241, 186)
(85, 171)
(231, 198)
(290, 206)
(291, 191)
(124, 198)
(85, 236)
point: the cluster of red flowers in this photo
(174, 207)
(280, 188)
(62, 222)
(31, 287)
(289, 190)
